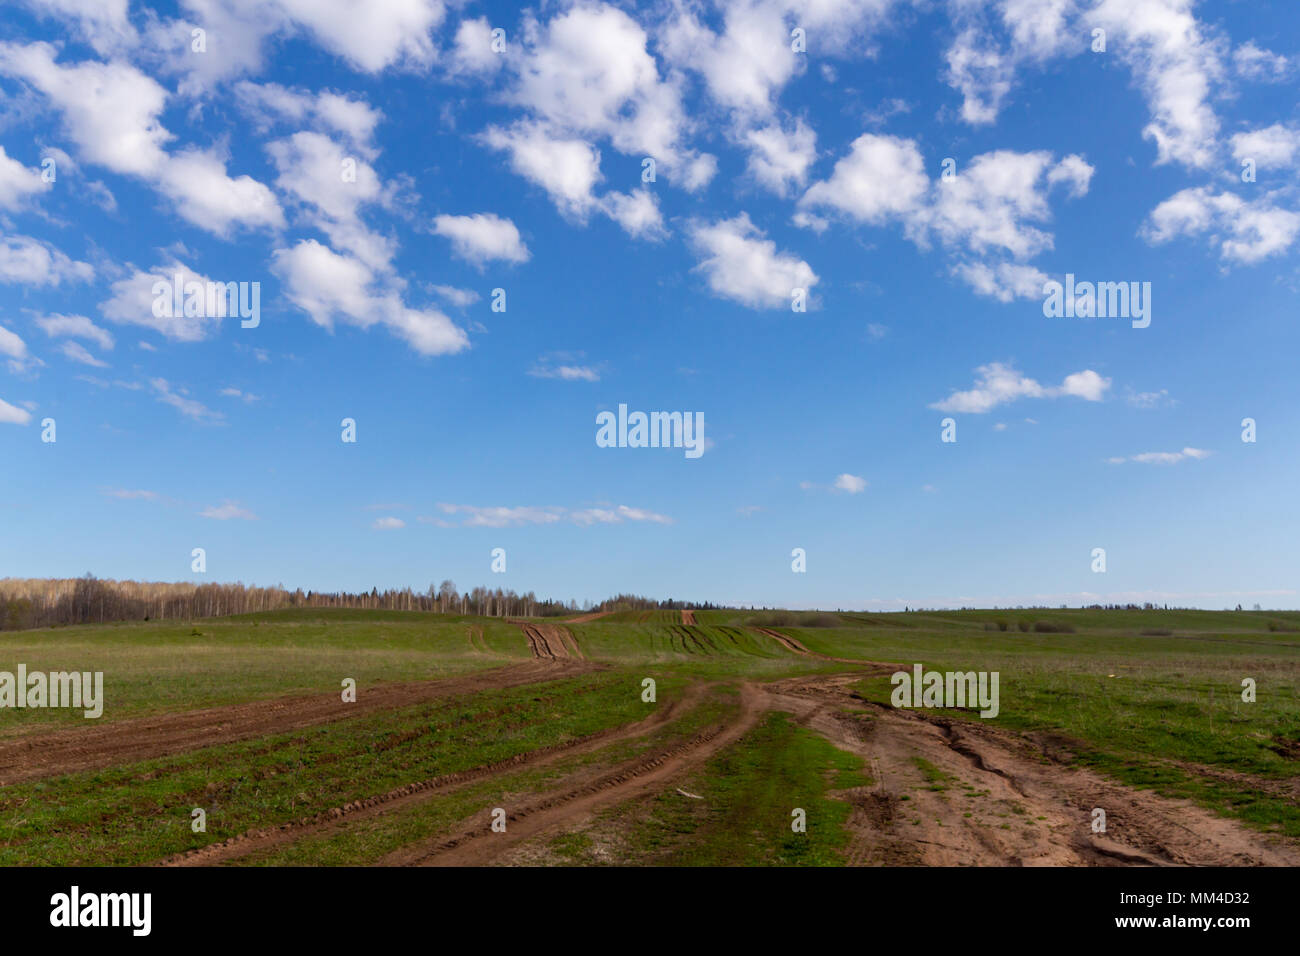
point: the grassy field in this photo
(1152, 699)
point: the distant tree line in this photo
(46, 602)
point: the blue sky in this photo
(380, 174)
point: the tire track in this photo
(478, 845)
(795, 647)
(336, 818)
(550, 641)
(983, 795)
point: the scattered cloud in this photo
(1163, 457)
(482, 238)
(227, 511)
(506, 517)
(741, 265)
(851, 483)
(999, 384)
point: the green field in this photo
(1151, 699)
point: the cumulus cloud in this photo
(482, 238)
(29, 261)
(111, 112)
(741, 265)
(1245, 231)
(1272, 147)
(1252, 62)
(331, 287)
(388, 524)
(997, 384)
(472, 53)
(18, 183)
(132, 300)
(326, 111)
(989, 215)
(853, 484)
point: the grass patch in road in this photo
(744, 817)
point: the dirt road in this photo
(955, 792)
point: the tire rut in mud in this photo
(478, 844)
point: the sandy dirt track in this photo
(550, 642)
(1026, 804)
(143, 738)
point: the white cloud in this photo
(1254, 63)
(15, 348)
(743, 266)
(999, 384)
(1149, 399)
(637, 212)
(128, 494)
(1245, 231)
(227, 511)
(17, 182)
(131, 302)
(589, 516)
(101, 23)
(482, 237)
(204, 194)
(372, 35)
(567, 168)
(1163, 457)
(458, 297)
(33, 262)
(75, 326)
(472, 54)
(882, 177)
(989, 204)
(12, 415)
(588, 72)
(111, 111)
(779, 159)
(1176, 64)
(77, 353)
(1003, 281)
(853, 484)
(329, 286)
(337, 113)
(311, 168)
(1273, 147)
(388, 524)
(986, 214)
(180, 401)
(569, 373)
(505, 517)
